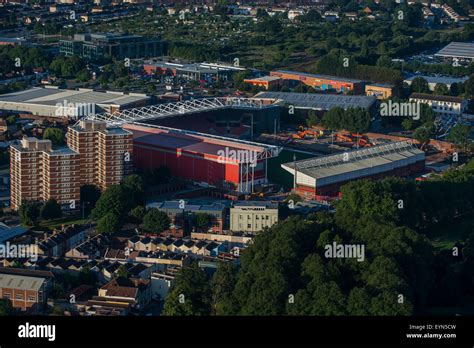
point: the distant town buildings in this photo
(97, 46)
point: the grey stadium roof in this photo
(457, 50)
(44, 101)
(319, 101)
(360, 163)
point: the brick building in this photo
(95, 155)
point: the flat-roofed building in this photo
(322, 177)
(54, 102)
(39, 173)
(253, 216)
(462, 51)
(105, 153)
(379, 91)
(267, 82)
(441, 104)
(100, 45)
(95, 155)
(434, 80)
(322, 82)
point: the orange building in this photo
(265, 81)
(322, 82)
(379, 91)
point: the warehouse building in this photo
(65, 103)
(442, 105)
(211, 160)
(319, 178)
(434, 80)
(462, 51)
(267, 82)
(208, 72)
(321, 102)
(322, 82)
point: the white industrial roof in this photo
(457, 50)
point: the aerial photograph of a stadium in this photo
(180, 168)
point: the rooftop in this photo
(445, 98)
(318, 76)
(52, 96)
(447, 80)
(319, 101)
(457, 50)
(339, 164)
(186, 142)
(21, 282)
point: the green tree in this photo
(55, 135)
(51, 210)
(6, 307)
(222, 284)
(441, 89)
(113, 200)
(29, 213)
(189, 293)
(460, 135)
(202, 221)
(156, 221)
(90, 194)
(109, 223)
(423, 135)
(137, 214)
(419, 85)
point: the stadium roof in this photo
(52, 96)
(319, 101)
(355, 164)
(45, 101)
(188, 142)
(457, 50)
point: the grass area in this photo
(446, 236)
(56, 223)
